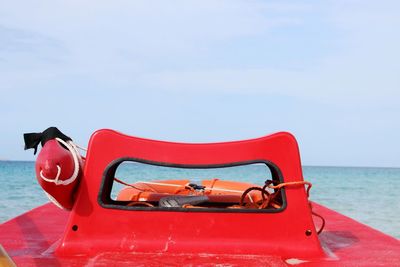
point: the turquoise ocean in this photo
(368, 195)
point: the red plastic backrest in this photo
(93, 228)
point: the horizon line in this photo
(303, 165)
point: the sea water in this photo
(368, 195)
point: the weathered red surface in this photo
(31, 239)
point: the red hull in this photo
(31, 239)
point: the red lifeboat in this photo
(58, 165)
(102, 231)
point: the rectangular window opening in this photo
(130, 184)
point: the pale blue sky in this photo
(203, 71)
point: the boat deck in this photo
(31, 238)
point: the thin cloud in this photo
(201, 70)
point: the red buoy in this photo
(58, 171)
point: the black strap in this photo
(32, 140)
(180, 200)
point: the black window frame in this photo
(104, 197)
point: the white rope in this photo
(55, 180)
(55, 202)
(80, 147)
(77, 158)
